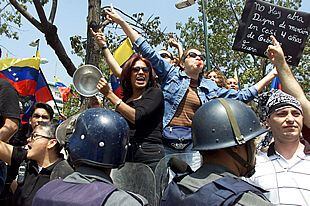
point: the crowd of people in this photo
(169, 106)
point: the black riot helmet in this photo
(223, 123)
(100, 139)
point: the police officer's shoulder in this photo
(120, 197)
(250, 198)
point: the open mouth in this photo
(140, 79)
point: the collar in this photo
(47, 170)
(271, 150)
(94, 173)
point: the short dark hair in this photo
(45, 106)
(51, 130)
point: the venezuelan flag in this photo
(64, 91)
(26, 77)
(276, 84)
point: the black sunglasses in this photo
(35, 136)
(137, 69)
(194, 55)
(165, 56)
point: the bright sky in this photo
(71, 20)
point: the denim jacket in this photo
(175, 83)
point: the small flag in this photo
(121, 55)
(123, 52)
(64, 91)
(276, 84)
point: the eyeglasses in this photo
(37, 116)
(166, 56)
(35, 136)
(137, 69)
(194, 55)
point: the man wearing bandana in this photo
(284, 170)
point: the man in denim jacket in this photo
(184, 87)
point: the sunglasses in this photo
(35, 136)
(137, 69)
(194, 55)
(166, 56)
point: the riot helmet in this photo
(223, 123)
(226, 123)
(100, 139)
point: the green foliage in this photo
(10, 20)
(222, 27)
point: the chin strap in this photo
(250, 167)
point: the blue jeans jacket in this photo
(175, 83)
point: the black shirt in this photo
(146, 134)
(9, 106)
(149, 115)
(34, 179)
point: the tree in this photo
(222, 26)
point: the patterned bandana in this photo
(280, 99)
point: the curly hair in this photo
(221, 77)
(126, 75)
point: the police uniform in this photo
(86, 186)
(213, 185)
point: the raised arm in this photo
(6, 151)
(102, 43)
(113, 16)
(288, 81)
(140, 44)
(266, 80)
(174, 43)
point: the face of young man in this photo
(39, 115)
(286, 124)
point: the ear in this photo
(51, 143)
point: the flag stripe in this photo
(20, 73)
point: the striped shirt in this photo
(288, 181)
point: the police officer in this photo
(223, 132)
(98, 144)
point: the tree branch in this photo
(27, 15)
(53, 11)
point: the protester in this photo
(223, 132)
(232, 83)
(9, 119)
(9, 110)
(35, 164)
(40, 113)
(184, 88)
(285, 169)
(217, 76)
(142, 105)
(98, 144)
(288, 81)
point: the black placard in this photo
(261, 19)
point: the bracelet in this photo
(118, 103)
(105, 46)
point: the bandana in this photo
(279, 99)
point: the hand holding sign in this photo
(261, 19)
(275, 52)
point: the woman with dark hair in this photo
(142, 105)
